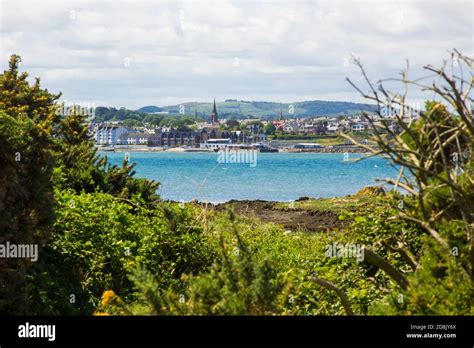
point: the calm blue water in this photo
(277, 176)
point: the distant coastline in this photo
(141, 148)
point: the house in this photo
(309, 128)
(358, 127)
(321, 127)
(291, 127)
(334, 127)
(109, 134)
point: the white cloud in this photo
(181, 51)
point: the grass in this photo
(336, 205)
(326, 140)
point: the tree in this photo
(270, 129)
(232, 124)
(28, 124)
(131, 123)
(153, 119)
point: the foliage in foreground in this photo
(40, 150)
(111, 247)
(98, 240)
(27, 120)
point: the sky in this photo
(126, 53)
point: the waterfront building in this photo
(179, 138)
(118, 135)
(138, 138)
(216, 144)
(109, 134)
(159, 138)
(307, 146)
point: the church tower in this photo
(214, 118)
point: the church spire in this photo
(214, 117)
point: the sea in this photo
(206, 177)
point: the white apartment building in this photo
(109, 134)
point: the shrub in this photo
(98, 240)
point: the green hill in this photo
(231, 108)
(151, 109)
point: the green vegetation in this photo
(326, 140)
(181, 123)
(131, 118)
(110, 246)
(270, 129)
(236, 109)
(231, 109)
(337, 205)
(99, 239)
(103, 114)
(27, 121)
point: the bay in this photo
(276, 176)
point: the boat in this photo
(107, 148)
(264, 148)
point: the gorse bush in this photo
(98, 240)
(235, 284)
(27, 126)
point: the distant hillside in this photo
(241, 109)
(151, 109)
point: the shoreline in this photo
(308, 214)
(324, 150)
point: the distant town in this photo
(281, 133)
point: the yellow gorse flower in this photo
(109, 297)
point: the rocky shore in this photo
(331, 149)
(144, 148)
